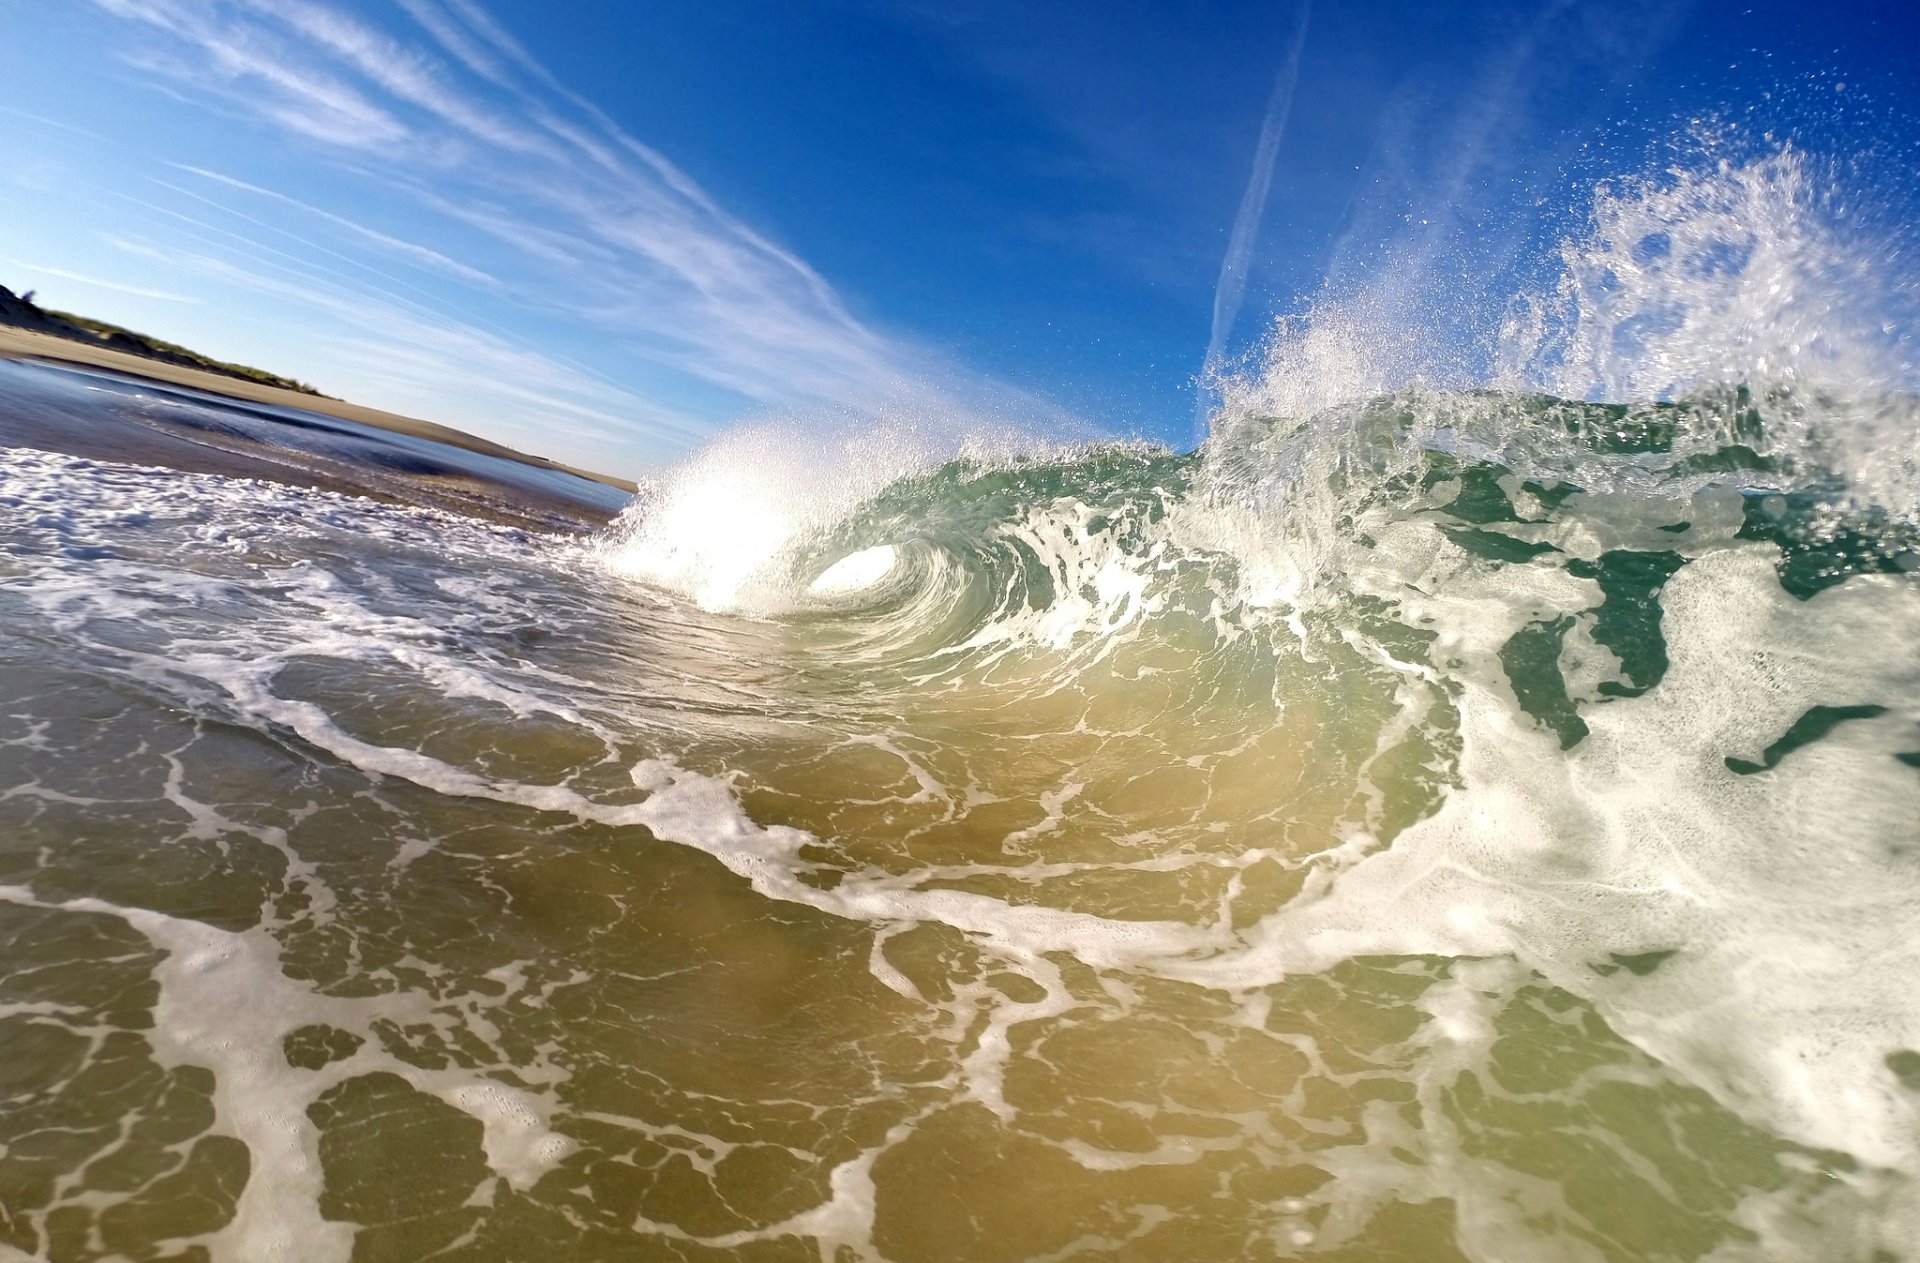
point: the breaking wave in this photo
(1434, 815)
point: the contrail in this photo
(1232, 286)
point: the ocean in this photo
(1431, 820)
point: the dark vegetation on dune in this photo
(22, 312)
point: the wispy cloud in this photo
(585, 224)
(457, 38)
(249, 66)
(42, 120)
(1231, 290)
(412, 252)
(100, 282)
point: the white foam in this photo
(1732, 282)
(1773, 889)
(856, 571)
(720, 526)
(224, 1004)
(519, 1143)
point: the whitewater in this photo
(1448, 815)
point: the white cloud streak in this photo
(101, 282)
(1231, 289)
(412, 252)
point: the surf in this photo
(1466, 804)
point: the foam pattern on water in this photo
(1422, 824)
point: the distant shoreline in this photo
(26, 344)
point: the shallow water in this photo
(104, 415)
(1421, 826)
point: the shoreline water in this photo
(33, 346)
(100, 413)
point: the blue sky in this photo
(602, 230)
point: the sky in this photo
(604, 231)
